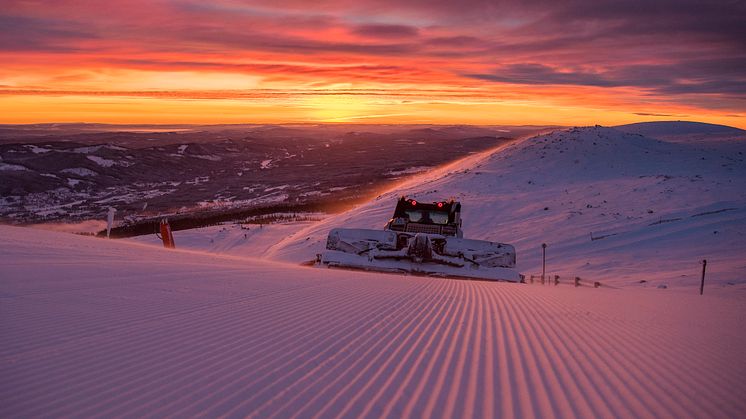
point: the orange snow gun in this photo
(167, 235)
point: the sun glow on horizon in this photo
(237, 62)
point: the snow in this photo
(88, 149)
(128, 196)
(312, 193)
(95, 148)
(271, 198)
(231, 202)
(100, 327)
(36, 149)
(408, 171)
(265, 164)
(107, 162)
(7, 167)
(248, 240)
(209, 157)
(643, 196)
(88, 227)
(80, 171)
(685, 132)
(198, 180)
(276, 188)
(101, 161)
(685, 128)
(112, 328)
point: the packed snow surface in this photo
(95, 327)
(248, 240)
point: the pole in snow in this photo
(110, 221)
(543, 261)
(167, 235)
(702, 285)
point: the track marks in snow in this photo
(266, 340)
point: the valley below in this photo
(204, 175)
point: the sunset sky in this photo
(373, 61)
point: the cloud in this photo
(21, 33)
(668, 19)
(684, 52)
(652, 114)
(543, 74)
(686, 77)
(389, 73)
(260, 41)
(386, 31)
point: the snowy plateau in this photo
(230, 324)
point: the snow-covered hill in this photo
(684, 131)
(612, 206)
(109, 328)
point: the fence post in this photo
(543, 261)
(702, 285)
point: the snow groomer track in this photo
(97, 328)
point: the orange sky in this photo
(474, 62)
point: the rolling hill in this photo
(612, 206)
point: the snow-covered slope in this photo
(245, 240)
(613, 207)
(92, 327)
(683, 131)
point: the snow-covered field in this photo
(92, 327)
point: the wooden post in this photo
(577, 281)
(702, 285)
(556, 280)
(167, 235)
(543, 261)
